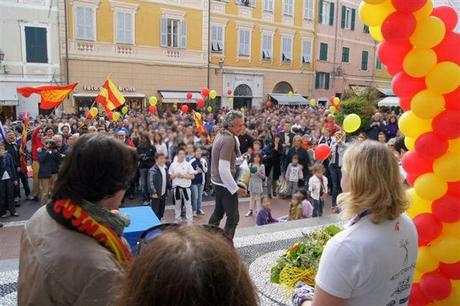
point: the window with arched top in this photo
(243, 90)
(283, 88)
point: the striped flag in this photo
(2, 132)
(109, 96)
(198, 123)
(23, 144)
(51, 96)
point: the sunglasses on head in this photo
(155, 231)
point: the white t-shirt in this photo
(184, 168)
(370, 264)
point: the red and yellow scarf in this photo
(73, 217)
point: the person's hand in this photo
(242, 192)
(18, 169)
(154, 196)
(15, 183)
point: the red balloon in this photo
(184, 108)
(417, 298)
(205, 92)
(447, 124)
(392, 55)
(229, 92)
(405, 104)
(408, 6)
(189, 96)
(405, 86)
(447, 15)
(447, 50)
(152, 109)
(435, 286)
(431, 146)
(200, 102)
(452, 271)
(398, 27)
(453, 99)
(89, 116)
(415, 164)
(331, 99)
(110, 115)
(268, 104)
(428, 227)
(447, 208)
(454, 188)
(322, 152)
(411, 178)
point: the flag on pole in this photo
(109, 96)
(51, 96)
(23, 144)
(199, 123)
(2, 132)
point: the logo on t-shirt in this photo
(397, 227)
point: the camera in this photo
(51, 144)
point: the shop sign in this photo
(98, 88)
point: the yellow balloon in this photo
(453, 299)
(290, 93)
(430, 187)
(376, 33)
(447, 167)
(446, 249)
(375, 14)
(425, 11)
(153, 101)
(427, 104)
(425, 262)
(454, 145)
(412, 125)
(332, 109)
(213, 94)
(417, 205)
(124, 110)
(351, 123)
(418, 62)
(209, 108)
(451, 229)
(198, 115)
(374, 1)
(312, 102)
(429, 32)
(116, 116)
(93, 111)
(410, 142)
(444, 78)
(417, 276)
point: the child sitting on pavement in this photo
(264, 215)
(307, 207)
(296, 207)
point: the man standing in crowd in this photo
(286, 141)
(375, 127)
(13, 149)
(223, 170)
(338, 148)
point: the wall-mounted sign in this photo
(98, 88)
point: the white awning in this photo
(389, 101)
(179, 96)
(92, 95)
(386, 91)
(8, 96)
(285, 99)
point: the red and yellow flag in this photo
(23, 144)
(51, 96)
(109, 96)
(199, 123)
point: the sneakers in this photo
(15, 214)
(146, 203)
(249, 213)
(30, 198)
(4, 215)
(16, 199)
(195, 214)
(200, 212)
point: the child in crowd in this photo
(317, 186)
(256, 183)
(264, 215)
(200, 166)
(7, 182)
(158, 185)
(293, 175)
(190, 153)
(295, 207)
(306, 205)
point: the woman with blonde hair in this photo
(372, 261)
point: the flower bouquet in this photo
(301, 261)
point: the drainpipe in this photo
(334, 63)
(209, 39)
(66, 44)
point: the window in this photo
(345, 55)
(323, 52)
(125, 33)
(217, 38)
(326, 12)
(268, 5)
(173, 33)
(322, 80)
(244, 43)
(246, 2)
(364, 60)
(348, 18)
(306, 51)
(286, 56)
(85, 23)
(288, 7)
(267, 46)
(366, 29)
(309, 9)
(378, 64)
(36, 45)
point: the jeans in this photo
(187, 203)
(7, 196)
(293, 187)
(336, 177)
(197, 197)
(226, 203)
(22, 178)
(158, 206)
(46, 190)
(143, 178)
(318, 206)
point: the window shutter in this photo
(36, 48)
(353, 17)
(331, 13)
(364, 60)
(80, 28)
(183, 29)
(89, 23)
(120, 27)
(328, 76)
(343, 16)
(320, 10)
(317, 80)
(129, 19)
(164, 32)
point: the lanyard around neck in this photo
(359, 217)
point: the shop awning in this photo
(8, 96)
(388, 92)
(285, 99)
(179, 96)
(389, 102)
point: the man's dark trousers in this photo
(226, 203)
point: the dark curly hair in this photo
(97, 167)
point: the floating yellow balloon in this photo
(427, 104)
(446, 249)
(417, 205)
(124, 110)
(116, 116)
(290, 93)
(425, 262)
(425, 11)
(351, 123)
(375, 14)
(410, 142)
(430, 187)
(312, 102)
(429, 33)
(376, 33)
(444, 78)
(209, 109)
(412, 125)
(419, 62)
(332, 109)
(93, 111)
(153, 101)
(213, 94)
(447, 167)
(374, 1)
